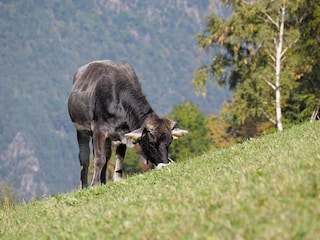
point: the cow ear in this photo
(135, 135)
(172, 124)
(177, 132)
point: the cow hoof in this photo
(117, 179)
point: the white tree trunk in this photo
(315, 113)
(279, 53)
(277, 60)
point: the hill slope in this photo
(267, 188)
(41, 45)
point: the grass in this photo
(266, 188)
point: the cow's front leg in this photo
(84, 154)
(99, 139)
(118, 170)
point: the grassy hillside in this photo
(266, 188)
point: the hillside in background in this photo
(42, 43)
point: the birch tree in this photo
(277, 59)
(251, 51)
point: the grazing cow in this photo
(106, 103)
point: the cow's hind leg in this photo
(118, 170)
(99, 139)
(84, 154)
(108, 155)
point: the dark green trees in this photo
(191, 118)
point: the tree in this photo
(253, 52)
(277, 59)
(191, 118)
(220, 134)
(8, 197)
(306, 98)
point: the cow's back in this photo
(94, 82)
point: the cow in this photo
(106, 103)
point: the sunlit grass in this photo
(266, 188)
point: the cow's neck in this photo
(139, 111)
(142, 119)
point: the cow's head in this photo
(155, 138)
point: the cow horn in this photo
(135, 135)
(177, 132)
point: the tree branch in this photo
(288, 47)
(282, 59)
(271, 20)
(268, 117)
(272, 65)
(275, 42)
(272, 57)
(271, 85)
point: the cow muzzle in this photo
(162, 165)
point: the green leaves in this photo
(200, 77)
(245, 57)
(189, 117)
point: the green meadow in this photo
(265, 188)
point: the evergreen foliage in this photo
(191, 118)
(306, 96)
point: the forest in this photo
(217, 67)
